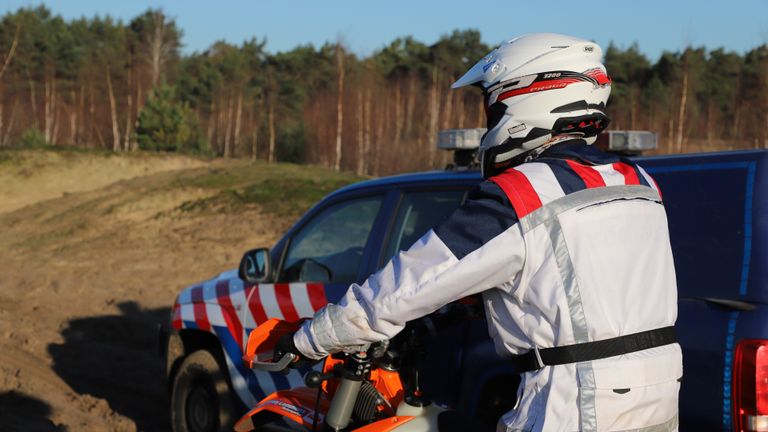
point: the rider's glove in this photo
(286, 345)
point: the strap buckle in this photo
(539, 362)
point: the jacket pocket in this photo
(638, 407)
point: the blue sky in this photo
(367, 25)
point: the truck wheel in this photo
(201, 400)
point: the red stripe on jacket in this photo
(591, 176)
(519, 190)
(629, 173)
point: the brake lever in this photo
(277, 366)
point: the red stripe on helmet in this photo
(539, 86)
(629, 173)
(254, 305)
(591, 177)
(519, 190)
(317, 297)
(284, 300)
(228, 310)
(599, 75)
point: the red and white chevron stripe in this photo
(228, 303)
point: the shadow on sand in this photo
(115, 357)
(22, 413)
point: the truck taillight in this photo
(750, 385)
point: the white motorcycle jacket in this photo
(568, 249)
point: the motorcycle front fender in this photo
(297, 405)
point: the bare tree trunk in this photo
(398, 117)
(367, 127)
(256, 126)
(377, 142)
(32, 98)
(447, 110)
(156, 47)
(221, 127)
(710, 121)
(49, 106)
(433, 114)
(271, 125)
(11, 51)
(11, 122)
(764, 73)
(128, 117)
(360, 137)
(54, 114)
(681, 111)
(113, 112)
(339, 104)
(211, 121)
(671, 135)
(91, 116)
(409, 106)
(73, 114)
(228, 131)
(139, 106)
(633, 107)
(238, 120)
(255, 145)
(460, 109)
(47, 126)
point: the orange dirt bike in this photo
(368, 389)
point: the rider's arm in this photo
(479, 247)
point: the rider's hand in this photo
(286, 345)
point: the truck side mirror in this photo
(256, 266)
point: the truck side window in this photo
(330, 247)
(418, 212)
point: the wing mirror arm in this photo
(256, 266)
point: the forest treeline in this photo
(103, 83)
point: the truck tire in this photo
(201, 400)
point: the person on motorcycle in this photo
(568, 245)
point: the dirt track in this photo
(93, 250)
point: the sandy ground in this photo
(93, 250)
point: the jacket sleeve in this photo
(479, 247)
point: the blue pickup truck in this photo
(717, 206)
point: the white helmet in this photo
(537, 86)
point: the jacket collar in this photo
(578, 150)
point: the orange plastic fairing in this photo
(297, 405)
(263, 338)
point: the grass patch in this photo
(285, 190)
(50, 237)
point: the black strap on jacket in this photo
(539, 358)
